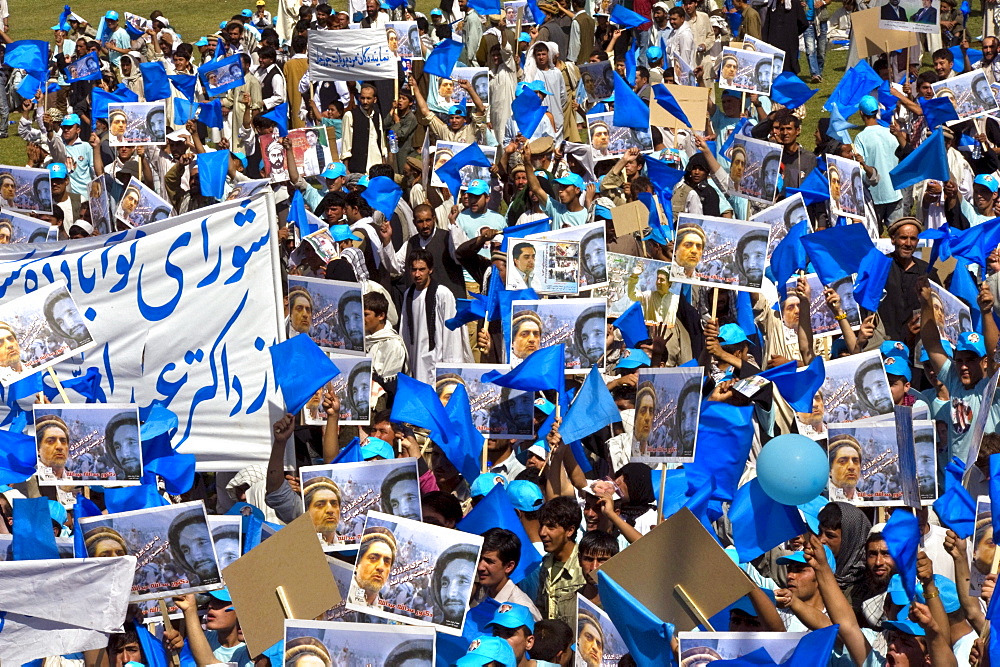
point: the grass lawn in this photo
(193, 18)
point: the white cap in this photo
(179, 135)
(84, 225)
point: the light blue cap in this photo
(57, 512)
(485, 483)
(247, 13)
(894, 348)
(945, 586)
(376, 447)
(904, 625)
(970, 341)
(537, 86)
(654, 52)
(485, 649)
(634, 358)
(868, 105)
(512, 615)
(731, 334)
(478, 187)
(335, 170)
(800, 557)
(58, 170)
(898, 366)
(343, 233)
(571, 179)
(525, 495)
(524, 37)
(70, 120)
(202, 41)
(221, 594)
(949, 350)
(436, 12)
(457, 110)
(989, 181)
(242, 158)
(111, 15)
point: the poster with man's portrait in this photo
(597, 82)
(667, 409)
(510, 8)
(414, 573)
(275, 158)
(784, 215)
(548, 267)
(338, 497)
(820, 315)
(342, 573)
(346, 644)
(951, 314)
(25, 189)
(479, 77)
(746, 71)
(84, 68)
(445, 150)
(17, 228)
(610, 140)
(581, 324)
(702, 648)
(248, 189)
(88, 444)
(754, 169)
(310, 149)
(631, 279)
(751, 43)
(404, 39)
(222, 74)
(970, 93)
(910, 15)
(137, 123)
(101, 216)
(982, 547)
(856, 387)
(331, 312)
(353, 387)
(497, 412)
(865, 467)
(847, 189)
(173, 546)
(39, 330)
(598, 642)
(227, 535)
(593, 251)
(719, 252)
(140, 205)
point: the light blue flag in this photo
(383, 195)
(467, 310)
(644, 633)
(839, 126)
(177, 472)
(30, 85)
(869, 285)
(486, 7)
(667, 100)
(902, 537)
(928, 160)
(103, 32)
(524, 229)
(592, 409)
(297, 215)
(155, 85)
(837, 252)
(28, 54)
(528, 111)
(814, 189)
(279, 115)
(937, 111)
(630, 110)
(662, 234)
(630, 63)
(417, 403)
(858, 81)
(957, 511)
(543, 369)
(83, 508)
(974, 244)
(731, 428)
(128, 498)
(87, 385)
(210, 113)
(152, 648)
(798, 387)
(213, 168)
(449, 172)
(788, 90)
(184, 110)
(464, 449)
(760, 523)
(300, 369)
(632, 325)
(964, 287)
(788, 257)
(443, 58)
(449, 648)
(663, 177)
(184, 83)
(229, 65)
(17, 456)
(350, 454)
(626, 18)
(496, 511)
(33, 537)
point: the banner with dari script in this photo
(350, 55)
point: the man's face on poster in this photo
(876, 388)
(456, 582)
(361, 393)
(687, 419)
(196, 547)
(301, 314)
(644, 413)
(126, 446)
(67, 318)
(593, 257)
(130, 201)
(374, 567)
(324, 510)
(591, 643)
(525, 261)
(593, 334)
(845, 469)
(228, 550)
(527, 339)
(53, 450)
(752, 259)
(10, 352)
(689, 249)
(353, 319)
(404, 500)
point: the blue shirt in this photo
(471, 224)
(878, 147)
(82, 172)
(562, 216)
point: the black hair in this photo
(355, 200)
(552, 637)
(443, 503)
(300, 43)
(377, 170)
(505, 543)
(184, 50)
(598, 542)
(267, 52)
(784, 116)
(377, 303)
(329, 200)
(830, 516)
(520, 248)
(422, 24)
(944, 54)
(420, 255)
(676, 11)
(563, 511)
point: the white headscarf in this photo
(530, 68)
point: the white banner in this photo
(350, 55)
(182, 312)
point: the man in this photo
(869, 599)
(52, 435)
(500, 456)
(877, 147)
(600, 137)
(656, 302)
(891, 11)
(64, 318)
(191, 546)
(376, 555)
(590, 335)
(68, 201)
(451, 583)
(322, 498)
(500, 555)
(681, 42)
(220, 641)
(314, 157)
(351, 320)
(119, 43)
(593, 258)
(845, 466)
(272, 81)
(784, 127)
(801, 590)
(541, 67)
(566, 210)
(901, 286)
(117, 125)
(359, 390)
(440, 243)
(689, 247)
(426, 308)
(400, 494)
(514, 623)
(526, 333)
(477, 220)
(300, 310)
(362, 134)
(751, 255)
(458, 127)
(751, 23)
(596, 548)
(79, 155)
(590, 639)
(989, 63)
(523, 258)
(701, 28)
(382, 343)
(645, 410)
(581, 34)
(227, 544)
(156, 125)
(873, 388)
(560, 576)
(122, 445)
(10, 350)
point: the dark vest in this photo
(588, 26)
(447, 271)
(267, 83)
(358, 162)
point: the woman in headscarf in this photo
(634, 514)
(844, 528)
(699, 197)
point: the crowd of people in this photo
(696, 261)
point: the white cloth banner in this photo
(183, 312)
(350, 55)
(54, 607)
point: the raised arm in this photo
(805, 331)
(837, 605)
(533, 183)
(929, 334)
(283, 430)
(331, 431)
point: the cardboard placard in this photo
(293, 559)
(693, 101)
(679, 552)
(630, 217)
(872, 40)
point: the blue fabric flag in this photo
(524, 229)
(976, 243)
(791, 91)
(760, 523)
(210, 113)
(128, 498)
(858, 81)
(83, 508)
(184, 110)
(662, 234)
(814, 189)
(630, 62)
(644, 633)
(798, 387)
(663, 177)
(33, 538)
(957, 510)
(443, 58)
(814, 648)
(103, 31)
(30, 85)
(721, 466)
(837, 252)
(543, 369)
(839, 126)
(937, 110)
(152, 649)
(496, 511)
(213, 168)
(486, 7)
(184, 83)
(869, 285)
(177, 472)
(467, 310)
(155, 85)
(941, 238)
(928, 160)
(350, 453)
(297, 215)
(630, 110)
(93, 69)
(632, 325)
(902, 537)
(17, 457)
(230, 66)
(964, 287)
(666, 100)
(528, 111)
(99, 100)
(417, 403)
(449, 172)
(465, 448)
(87, 385)
(300, 369)
(626, 18)
(28, 54)
(279, 115)
(220, 49)
(995, 489)
(789, 256)
(975, 55)
(592, 409)
(383, 194)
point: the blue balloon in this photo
(792, 469)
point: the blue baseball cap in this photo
(436, 12)
(223, 24)
(111, 15)
(485, 649)
(202, 41)
(478, 187)
(654, 52)
(537, 86)
(602, 212)
(571, 179)
(731, 334)
(800, 557)
(376, 447)
(970, 341)
(242, 158)
(57, 512)
(221, 594)
(70, 120)
(949, 350)
(946, 587)
(485, 483)
(904, 625)
(524, 37)
(868, 105)
(512, 615)
(57, 170)
(746, 606)
(989, 181)
(343, 233)
(898, 366)
(363, 181)
(524, 495)
(248, 13)
(894, 348)
(634, 358)
(335, 170)
(457, 110)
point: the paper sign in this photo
(693, 101)
(630, 217)
(872, 40)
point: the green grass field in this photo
(193, 18)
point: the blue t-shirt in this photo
(562, 216)
(966, 404)
(238, 654)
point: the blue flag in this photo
(155, 85)
(790, 256)
(937, 110)
(662, 234)
(626, 18)
(791, 91)
(152, 648)
(443, 58)
(184, 83)
(222, 74)
(17, 456)
(184, 110)
(798, 387)
(103, 32)
(964, 287)
(99, 100)
(417, 403)
(858, 81)
(486, 7)
(666, 100)
(279, 115)
(814, 189)
(83, 508)
(902, 537)
(464, 450)
(543, 369)
(720, 467)
(760, 523)
(663, 177)
(129, 498)
(467, 310)
(592, 409)
(210, 113)
(91, 69)
(28, 54)
(644, 633)
(300, 369)
(177, 472)
(30, 85)
(33, 537)
(995, 487)
(528, 111)
(928, 160)
(449, 648)
(974, 243)
(496, 511)
(297, 215)
(350, 453)
(975, 55)
(632, 325)
(87, 385)
(839, 126)
(630, 110)
(523, 229)
(630, 63)
(449, 172)
(837, 252)
(869, 285)
(957, 511)
(383, 194)
(213, 168)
